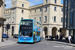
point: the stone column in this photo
(44, 34)
(0, 11)
(58, 33)
(0, 33)
(49, 32)
(67, 33)
(1, 18)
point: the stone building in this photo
(50, 14)
(2, 6)
(19, 9)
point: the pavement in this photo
(13, 41)
(63, 43)
(7, 43)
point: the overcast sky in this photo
(32, 2)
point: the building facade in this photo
(19, 9)
(2, 6)
(50, 14)
(68, 16)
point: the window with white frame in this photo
(45, 18)
(54, 8)
(61, 19)
(45, 9)
(40, 19)
(62, 9)
(30, 11)
(13, 18)
(22, 5)
(55, 1)
(22, 11)
(40, 9)
(35, 10)
(35, 18)
(54, 18)
(46, 1)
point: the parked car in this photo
(15, 36)
(5, 36)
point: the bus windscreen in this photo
(26, 27)
(27, 22)
(26, 33)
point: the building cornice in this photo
(42, 5)
(53, 24)
(17, 7)
(37, 6)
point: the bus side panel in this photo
(35, 28)
(33, 31)
(37, 38)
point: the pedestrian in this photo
(60, 37)
(69, 38)
(56, 37)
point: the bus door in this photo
(34, 36)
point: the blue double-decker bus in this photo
(29, 31)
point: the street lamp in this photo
(7, 27)
(2, 33)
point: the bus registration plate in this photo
(25, 41)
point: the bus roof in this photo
(31, 19)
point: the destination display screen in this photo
(25, 27)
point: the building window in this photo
(62, 9)
(22, 11)
(54, 18)
(0, 5)
(61, 19)
(21, 18)
(45, 9)
(13, 4)
(34, 18)
(4, 12)
(13, 12)
(40, 19)
(30, 11)
(22, 5)
(46, 1)
(13, 18)
(40, 9)
(9, 19)
(35, 10)
(54, 8)
(55, 1)
(45, 18)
